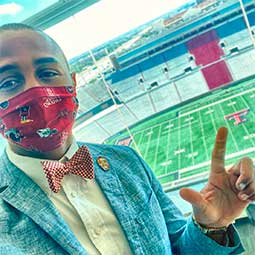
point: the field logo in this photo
(126, 141)
(237, 116)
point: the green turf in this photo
(178, 147)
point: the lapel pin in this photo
(103, 163)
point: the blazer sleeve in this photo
(185, 237)
(6, 249)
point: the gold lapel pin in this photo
(103, 163)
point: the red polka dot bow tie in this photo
(80, 164)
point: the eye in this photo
(48, 74)
(11, 83)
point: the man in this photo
(56, 198)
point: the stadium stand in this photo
(129, 88)
(113, 121)
(178, 65)
(88, 133)
(106, 123)
(88, 101)
(154, 75)
(141, 106)
(191, 85)
(242, 65)
(165, 96)
(92, 95)
(240, 40)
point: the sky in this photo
(106, 20)
(19, 10)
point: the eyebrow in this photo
(46, 60)
(38, 61)
(8, 68)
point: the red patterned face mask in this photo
(39, 119)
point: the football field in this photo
(178, 143)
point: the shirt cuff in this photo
(209, 246)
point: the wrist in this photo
(221, 235)
(208, 229)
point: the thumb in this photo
(194, 198)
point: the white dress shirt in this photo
(83, 206)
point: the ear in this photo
(73, 75)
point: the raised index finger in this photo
(219, 150)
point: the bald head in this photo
(16, 27)
(20, 27)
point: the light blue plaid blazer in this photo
(30, 224)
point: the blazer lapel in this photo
(112, 188)
(22, 193)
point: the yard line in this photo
(203, 134)
(231, 103)
(148, 145)
(140, 141)
(179, 151)
(189, 119)
(208, 163)
(243, 126)
(169, 126)
(247, 106)
(191, 144)
(229, 128)
(176, 128)
(166, 163)
(179, 139)
(164, 132)
(156, 125)
(252, 135)
(217, 102)
(213, 122)
(156, 152)
(168, 144)
(209, 111)
(149, 133)
(141, 138)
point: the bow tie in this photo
(80, 164)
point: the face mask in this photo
(39, 119)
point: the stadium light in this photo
(247, 22)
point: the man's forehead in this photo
(18, 43)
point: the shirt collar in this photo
(70, 152)
(32, 166)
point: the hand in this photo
(227, 193)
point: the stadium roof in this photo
(40, 14)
